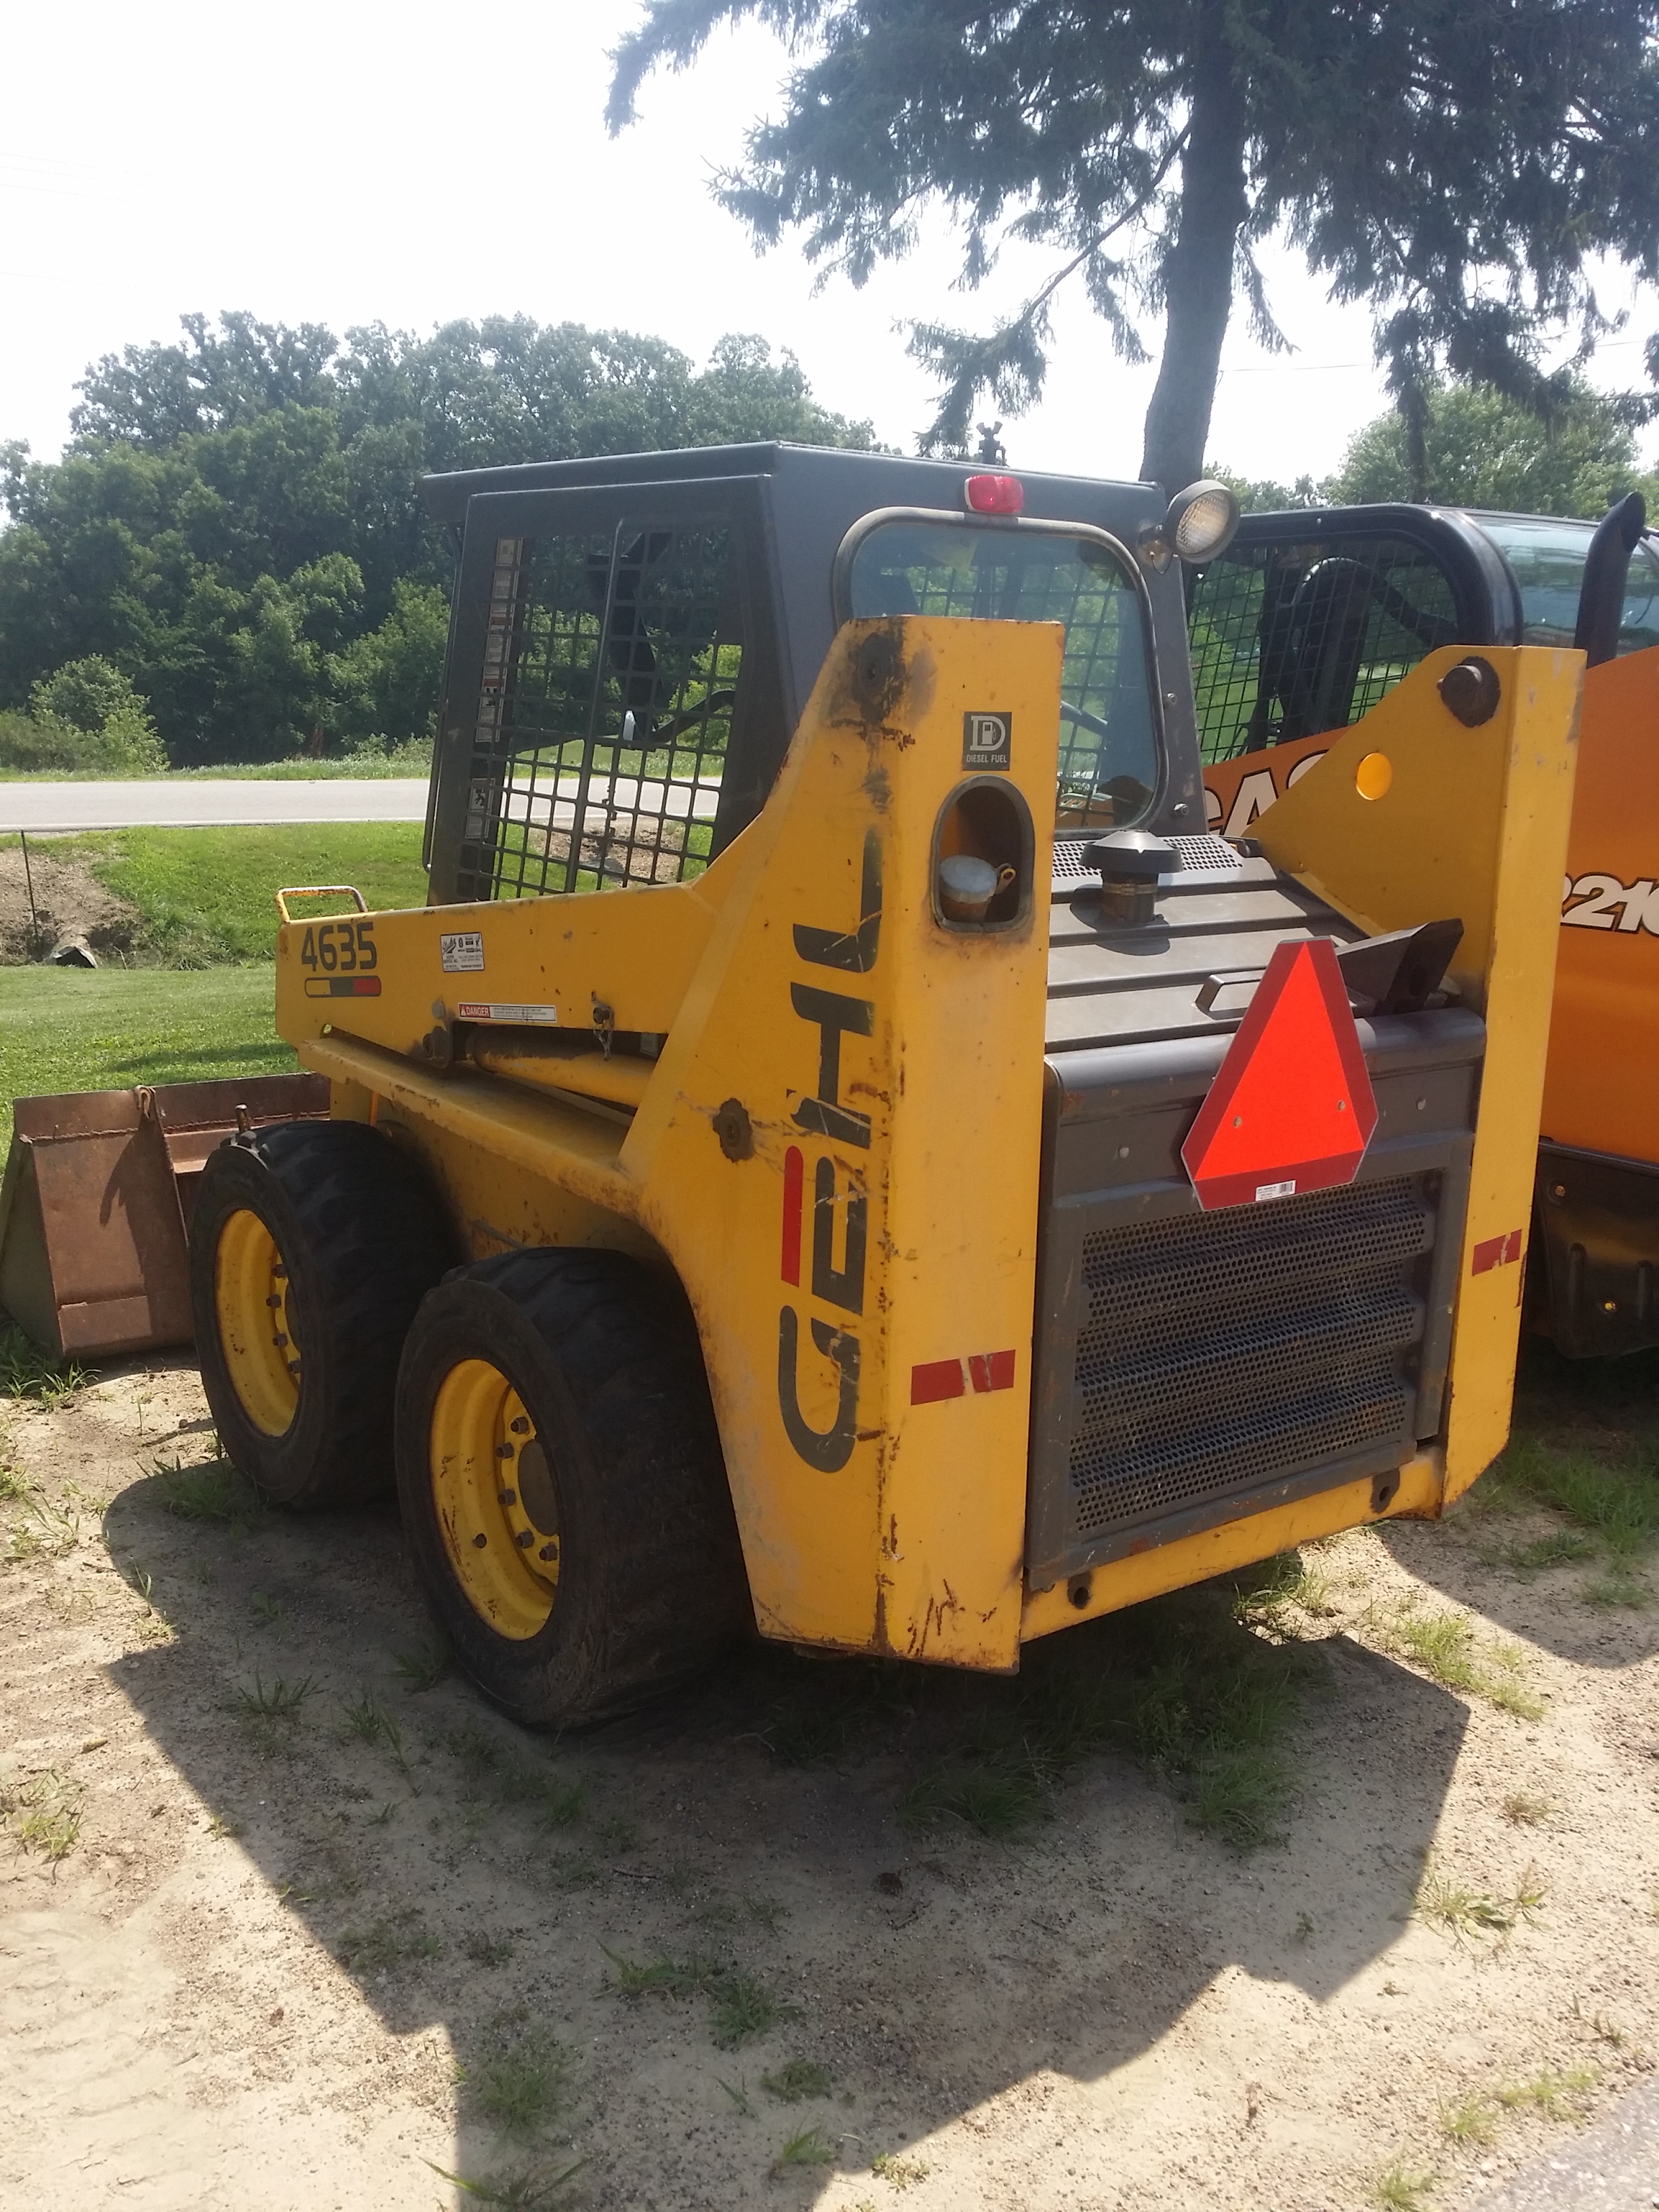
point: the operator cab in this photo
(635, 639)
(1307, 620)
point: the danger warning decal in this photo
(1292, 1108)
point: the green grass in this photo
(523, 2081)
(1553, 2096)
(64, 1028)
(1181, 1685)
(1399, 2190)
(1470, 2120)
(206, 897)
(424, 1666)
(811, 2147)
(1446, 1646)
(43, 1813)
(1465, 1913)
(1616, 1503)
(211, 1491)
(740, 2008)
(386, 1943)
(797, 2079)
(520, 2188)
(26, 1370)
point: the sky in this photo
(348, 162)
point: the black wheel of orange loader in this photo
(563, 1486)
(312, 1245)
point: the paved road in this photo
(1612, 2168)
(191, 806)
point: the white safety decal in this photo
(462, 953)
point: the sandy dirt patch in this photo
(69, 902)
(319, 1935)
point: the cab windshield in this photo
(1109, 745)
(1549, 559)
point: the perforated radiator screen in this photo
(1217, 1351)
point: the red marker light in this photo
(993, 495)
(1292, 1108)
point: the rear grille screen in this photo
(1219, 1351)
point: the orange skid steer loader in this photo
(845, 1148)
(1302, 626)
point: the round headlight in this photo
(1201, 520)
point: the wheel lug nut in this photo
(479, 1542)
(524, 1540)
(506, 1497)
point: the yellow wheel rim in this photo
(256, 1330)
(494, 1497)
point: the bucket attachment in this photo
(97, 1194)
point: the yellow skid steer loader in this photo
(845, 1148)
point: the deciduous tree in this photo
(237, 525)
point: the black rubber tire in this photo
(364, 1240)
(607, 1362)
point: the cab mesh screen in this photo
(1289, 639)
(1220, 1350)
(604, 710)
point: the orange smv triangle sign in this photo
(1292, 1108)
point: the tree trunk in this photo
(1198, 275)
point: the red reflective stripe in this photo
(794, 1170)
(992, 1371)
(1495, 1252)
(935, 1379)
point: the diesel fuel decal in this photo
(839, 1237)
(987, 740)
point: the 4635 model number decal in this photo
(1604, 902)
(342, 958)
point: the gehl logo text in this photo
(835, 1280)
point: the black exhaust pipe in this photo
(1602, 595)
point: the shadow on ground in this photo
(1599, 1608)
(929, 1887)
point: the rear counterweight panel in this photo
(1195, 1367)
